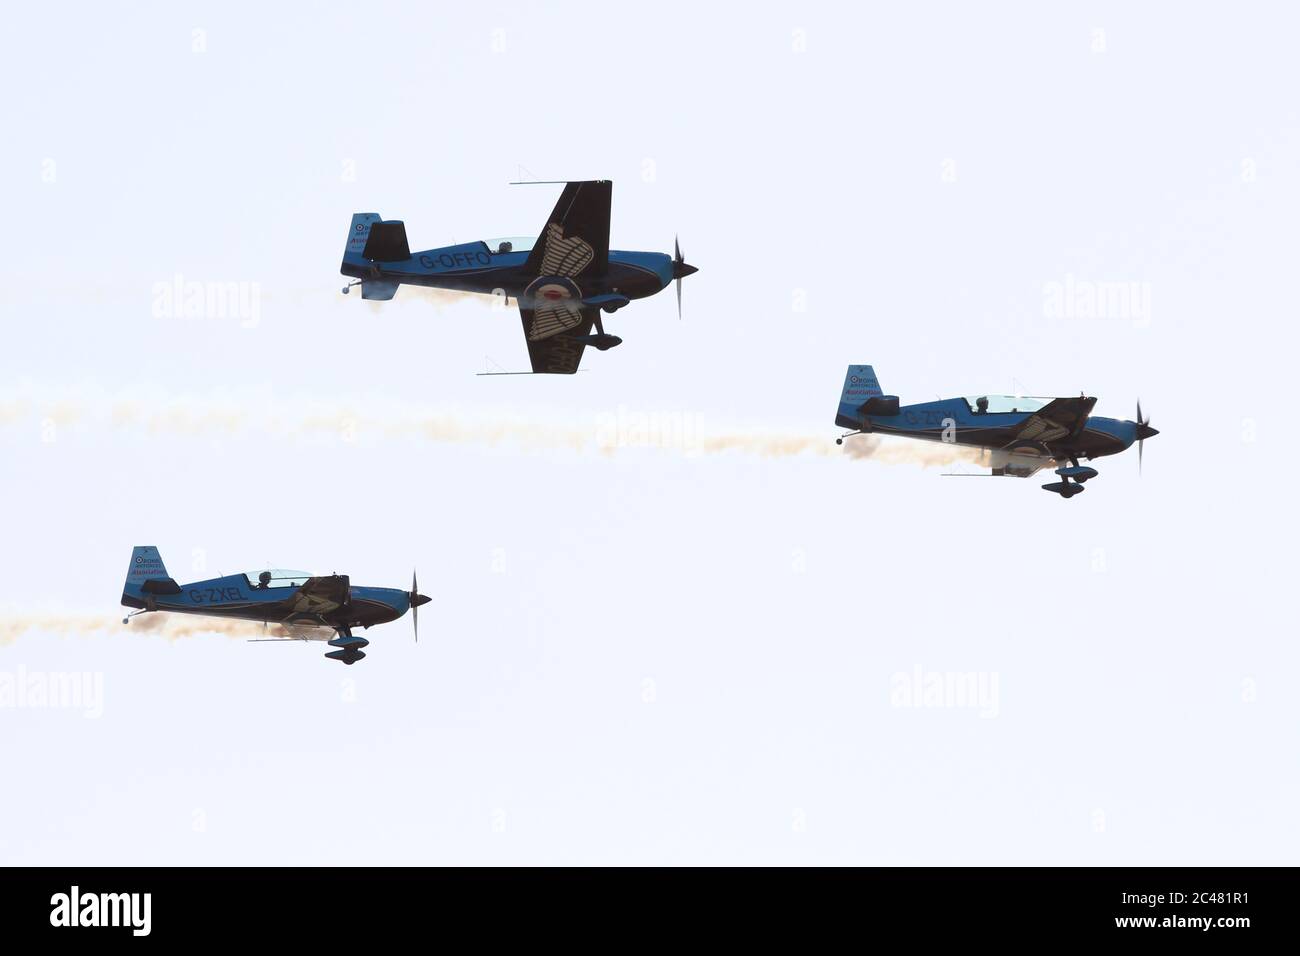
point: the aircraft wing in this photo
(320, 595)
(1059, 419)
(1004, 465)
(1018, 466)
(296, 633)
(555, 335)
(576, 237)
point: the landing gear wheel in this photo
(348, 657)
(1064, 488)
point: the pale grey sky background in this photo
(641, 654)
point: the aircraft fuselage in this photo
(473, 267)
(234, 596)
(952, 420)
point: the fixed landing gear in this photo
(149, 605)
(602, 340)
(349, 647)
(1072, 478)
(348, 657)
(1066, 489)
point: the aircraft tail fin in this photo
(860, 384)
(358, 236)
(146, 574)
(371, 243)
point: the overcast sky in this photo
(642, 648)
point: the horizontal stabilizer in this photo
(387, 242)
(379, 289)
(160, 586)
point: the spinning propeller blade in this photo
(680, 271)
(415, 606)
(1144, 431)
(677, 258)
(416, 599)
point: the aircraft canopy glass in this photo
(512, 244)
(278, 578)
(994, 404)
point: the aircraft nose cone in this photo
(681, 270)
(1145, 431)
(419, 599)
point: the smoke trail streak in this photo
(438, 298)
(270, 293)
(892, 451)
(902, 451)
(310, 419)
(171, 626)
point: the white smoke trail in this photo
(440, 299)
(903, 451)
(14, 625)
(269, 292)
(304, 418)
(312, 419)
(887, 450)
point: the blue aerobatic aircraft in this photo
(294, 599)
(1024, 434)
(562, 280)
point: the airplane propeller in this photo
(416, 600)
(1144, 431)
(680, 271)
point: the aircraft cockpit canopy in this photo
(1001, 404)
(511, 244)
(276, 578)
